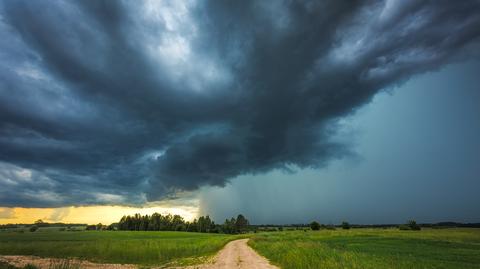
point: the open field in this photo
(152, 248)
(371, 248)
(355, 248)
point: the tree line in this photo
(159, 222)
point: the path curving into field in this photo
(237, 255)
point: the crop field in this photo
(371, 248)
(123, 247)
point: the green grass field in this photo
(148, 248)
(355, 248)
(371, 248)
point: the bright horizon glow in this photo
(88, 214)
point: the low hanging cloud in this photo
(112, 102)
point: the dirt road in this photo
(235, 255)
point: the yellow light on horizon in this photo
(88, 214)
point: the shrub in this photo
(413, 225)
(410, 226)
(33, 228)
(345, 225)
(315, 226)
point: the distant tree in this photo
(40, 223)
(192, 226)
(144, 223)
(233, 227)
(178, 223)
(201, 224)
(315, 226)
(229, 226)
(345, 225)
(241, 224)
(226, 227)
(210, 224)
(158, 222)
(413, 225)
(330, 227)
(91, 227)
(113, 226)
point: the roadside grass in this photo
(124, 247)
(371, 248)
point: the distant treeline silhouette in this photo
(40, 223)
(159, 222)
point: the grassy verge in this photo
(371, 248)
(146, 248)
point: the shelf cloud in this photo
(116, 102)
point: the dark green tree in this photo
(413, 225)
(315, 226)
(241, 224)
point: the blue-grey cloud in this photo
(119, 102)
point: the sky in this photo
(283, 111)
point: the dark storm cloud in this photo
(118, 102)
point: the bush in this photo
(414, 226)
(315, 226)
(345, 225)
(410, 226)
(33, 228)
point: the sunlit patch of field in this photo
(371, 248)
(124, 247)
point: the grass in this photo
(328, 249)
(371, 248)
(145, 248)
